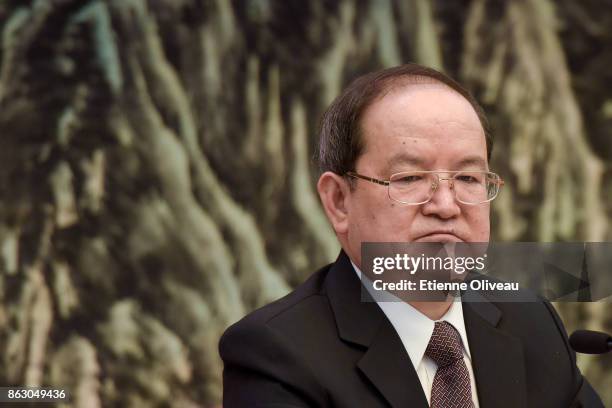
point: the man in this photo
(321, 346)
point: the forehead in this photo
(425, 122)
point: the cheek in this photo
(366, 219)
(369, 219)
(378, 219)
(479, 223)
(396, 222)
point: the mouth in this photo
(442, 237)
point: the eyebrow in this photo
(405, 158)
(472, 161)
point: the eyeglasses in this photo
(418, 187)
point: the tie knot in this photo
(444, 347)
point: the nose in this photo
(443, 203)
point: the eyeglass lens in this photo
(418, 187)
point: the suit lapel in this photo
(385, 362)
(388, 367)
(497, 358)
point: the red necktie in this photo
(451, 386)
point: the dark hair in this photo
(340, 142)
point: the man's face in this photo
(418, 127)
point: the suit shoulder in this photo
(260, 345)
(291, 303)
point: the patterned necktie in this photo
(451, 386)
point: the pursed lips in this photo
(439, 236)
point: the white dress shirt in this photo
(415, 330)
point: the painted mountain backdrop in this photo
(156, 180)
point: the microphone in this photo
(590, 342)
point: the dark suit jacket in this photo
(320, 346)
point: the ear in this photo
(334, 192)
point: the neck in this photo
(433, 310)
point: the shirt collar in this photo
(413, 327)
